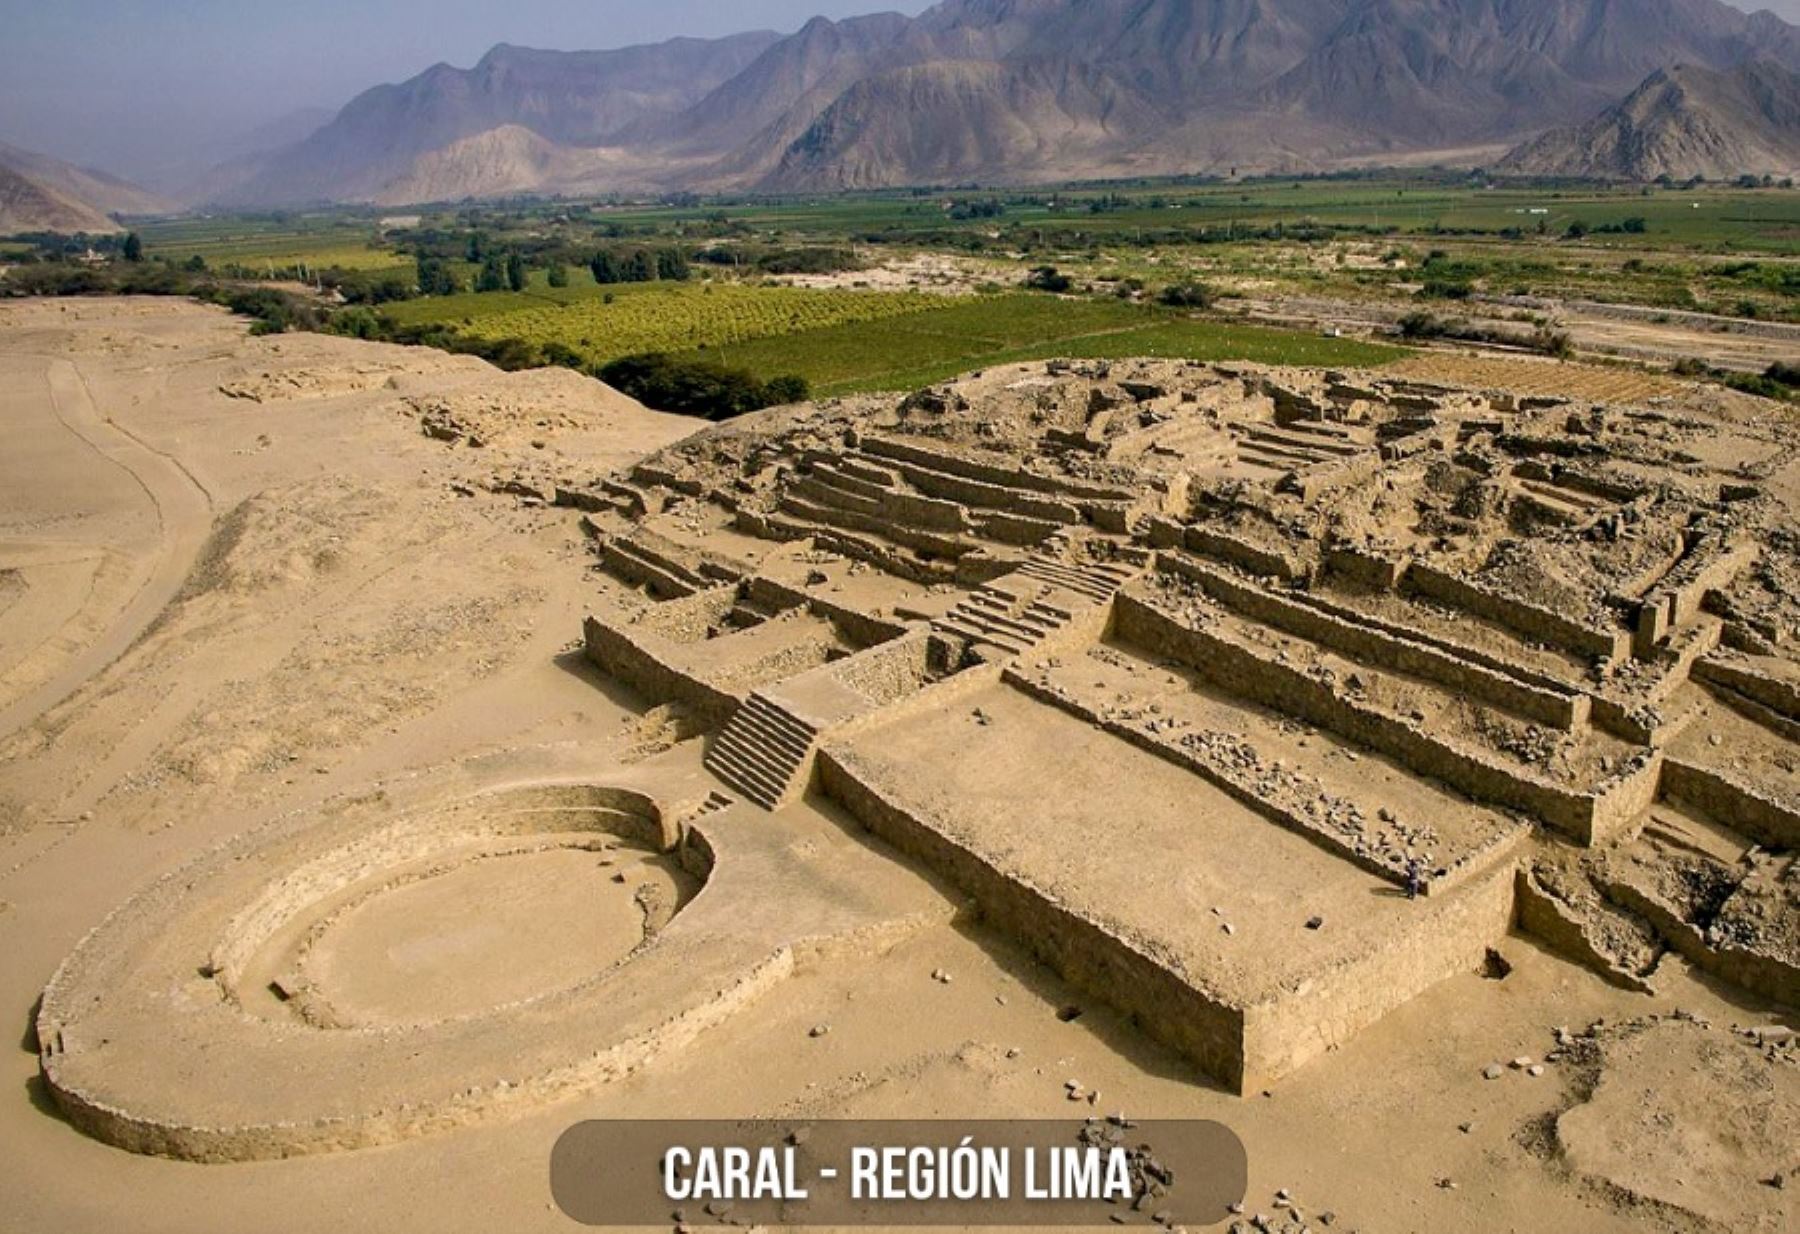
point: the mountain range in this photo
(1683, 121)
(1016, 91)
(39, 193)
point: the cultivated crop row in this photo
(682, 318)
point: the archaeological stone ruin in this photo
(1251, 701)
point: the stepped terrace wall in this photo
(1180, 1014)
(1287, 1030)
(645, 663)
(1779, 695)
(1244, 1038)
(1755, 813)
(1587, 817)
(1563, 709)
(1528, 619)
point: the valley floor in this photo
(239, 586)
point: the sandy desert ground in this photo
(261, 593)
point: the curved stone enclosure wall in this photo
(148, 1039)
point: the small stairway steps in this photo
(1003, 616)
(762, 752)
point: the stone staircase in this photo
(762, 752)
(1016, 613)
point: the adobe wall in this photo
(1223, 546)
(1315, 480)
(1181, 1015)
(651, 672)
(1778, 695)
(1537, 623)
(912, 537)
(1585, 817)
(1546, 919)
(987, 494)
(1446, 938)
(937, 697)
(1565, 709)
(690, 618)
(1758, 973)
(1472, 655)
(624, 562)
(972, 469)
(1738, 806)
(1017, 529)
(1364, 567)
(775, 527)
(1713, 565)
(858, 627)
(811, 488)
(652, 475)
(891, 670)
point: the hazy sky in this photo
(127, 85)
(134, 85)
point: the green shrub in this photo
(697, 387)
(1188, 295)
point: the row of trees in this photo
(510, 271)
(639, 266)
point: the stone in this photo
(819, 1030)
(1493, 1071)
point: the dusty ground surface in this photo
(933, 272)
(246, 584)
(1625, 332)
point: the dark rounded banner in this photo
(1049, 1172)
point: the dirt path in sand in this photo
(172, 510)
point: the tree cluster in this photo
(698, 388)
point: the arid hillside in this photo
(39, 193)
(1013, 91)
(1681, 123)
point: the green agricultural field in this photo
(1711, 218)
(274, 243)
(470, 306)
(903, 352)
(673, 317)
